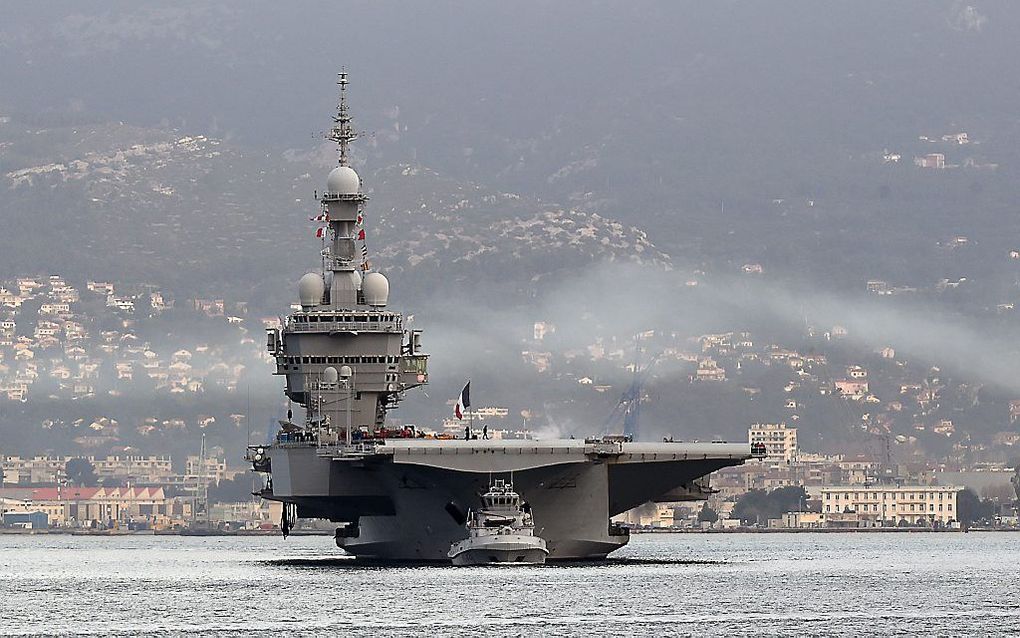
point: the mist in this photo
(614, 302)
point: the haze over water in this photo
(697, 584)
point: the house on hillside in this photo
(854, 389)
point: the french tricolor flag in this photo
(463, 401)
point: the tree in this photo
(750, 507)
(757, 506)
(110, 481)
(971, 509)
(787, 499)
(707, 514)
(80, 472)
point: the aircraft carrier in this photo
(397, 494)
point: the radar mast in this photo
(343, 132)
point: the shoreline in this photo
(328, 533)
(159, 532)
(824, 530)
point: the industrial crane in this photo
(628, 409)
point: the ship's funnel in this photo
(376, 289)
(310, 289)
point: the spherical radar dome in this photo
(343, 180)
(330, 376)
(310, 290)
(375, 288)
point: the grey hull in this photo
(401, 510)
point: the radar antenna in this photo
(343, 132)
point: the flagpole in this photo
(464, 403)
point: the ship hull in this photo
(407, 503)
(568, 505)
(505, 549)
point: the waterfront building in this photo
(134, 469)
(249, 514)
(802, 520)
(878, 505)
(89, 506)
(779, 440)
(35, 470)
(859, 470)
(49, 470)
(648, 515)
(25, 520)
(211, 469)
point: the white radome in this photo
(343, 180)
(330, 376)
(375, 288)
(310, 290)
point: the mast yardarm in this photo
(343, 132)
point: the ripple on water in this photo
(685, 584)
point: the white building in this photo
(541, 329)
(780, 442)
(213, 469)
(134, 469)
(891, 505)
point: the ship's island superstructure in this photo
(397, 495)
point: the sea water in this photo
(841, 584)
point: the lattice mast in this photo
(343, 132)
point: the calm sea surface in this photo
(694, 584)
